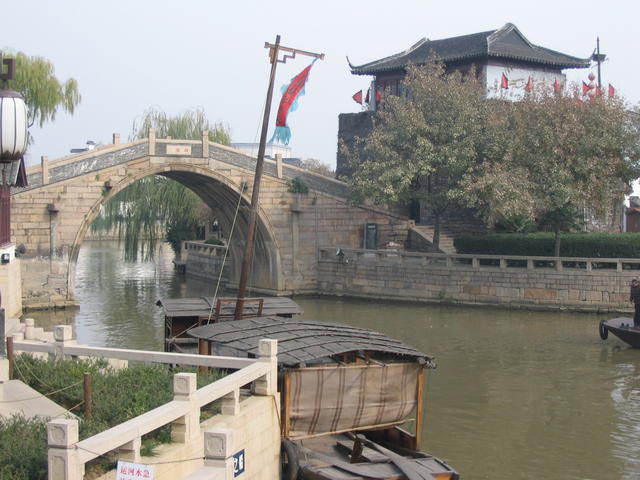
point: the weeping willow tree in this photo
(43, 92)
(155, 206)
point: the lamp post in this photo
(13, 145)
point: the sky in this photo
(129, 56)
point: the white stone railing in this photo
(67, 455)
(349, 255)
(205, 248)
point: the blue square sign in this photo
(238, 463)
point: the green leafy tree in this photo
(44, 94)
(153, 205)
(422, 143)
(560, 155)
(317, 166)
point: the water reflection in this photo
(517, 395)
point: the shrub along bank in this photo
(118, 395)
(591, 245)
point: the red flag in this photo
(612, 91)
(357, 97)
(290, 95)
(556, 86)
(529, 86)
(505, 81)
(598, 91)
(586, 88)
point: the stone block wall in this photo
(414, 277)
(256, 430)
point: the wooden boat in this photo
(622, 328)
(345, 392)
(181, 314)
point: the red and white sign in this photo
(134, 471)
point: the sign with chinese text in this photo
(134, 471)
(238, 463)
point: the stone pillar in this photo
(279, 165)
(218, 452)
(44, 161)
(62, 435)
(152, 141)
(186, 428)
(205, 143)
(63, 335)
(116, 139)
(268, 353)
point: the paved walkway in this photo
(17, 398)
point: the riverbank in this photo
(514, 282)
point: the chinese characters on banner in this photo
(134, 471)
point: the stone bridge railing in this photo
(209, 452)
(590, 284)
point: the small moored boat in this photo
(345, 391)
(622, 328)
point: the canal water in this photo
(516, 395)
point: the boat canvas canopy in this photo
(301, 341)
(337, 398)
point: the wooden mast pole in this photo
(274, 49)
(248, 249)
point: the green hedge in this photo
(591, 245)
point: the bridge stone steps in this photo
(446, 238)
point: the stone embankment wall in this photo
(529, 282)
(205, 261)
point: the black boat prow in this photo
(622, 328)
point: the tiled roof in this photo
(505, 43)
(301, 341)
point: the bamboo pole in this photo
(88, 396)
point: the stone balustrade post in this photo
(279, 165)
(116, 139)
(268, 353)
(218, 453)
(44, 166)
(230, 403)
(62, 457)
(130, 451)
(63, 336)
(186, 428)
(205, 143)
(152, 141)
(29, 327)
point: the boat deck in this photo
(329, 458)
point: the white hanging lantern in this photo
(13, 126)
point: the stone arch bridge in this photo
(52, 216)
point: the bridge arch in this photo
(222, 195)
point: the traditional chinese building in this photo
(506, 63)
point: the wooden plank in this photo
(419, 410)
(286, 400)
(368, 454)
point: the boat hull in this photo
(623, 329)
